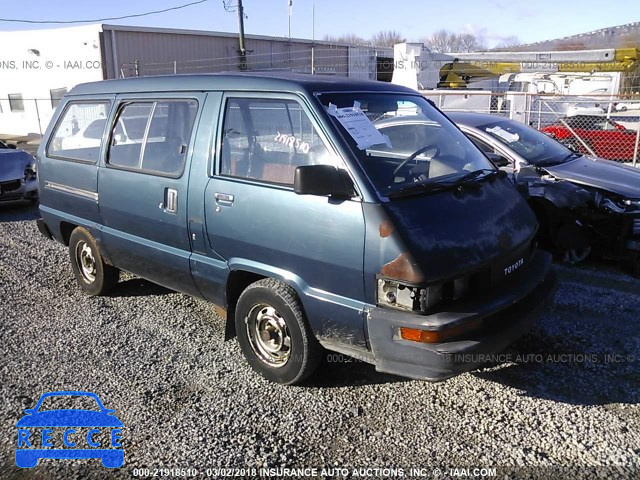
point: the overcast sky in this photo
(493, 20)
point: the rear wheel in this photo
(92, 273)
(273, 333)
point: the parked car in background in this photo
(624, 106)
(585, 109)
(582, 203)
(17, 174)
(604, 137)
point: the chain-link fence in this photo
(603, 126)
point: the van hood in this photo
(601, 174)
(449, 232)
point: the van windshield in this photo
(401, 140)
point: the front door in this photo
(257, 222)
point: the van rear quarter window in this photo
(79, 131)
(153, 136)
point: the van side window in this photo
(153, 136)
(266, 139)
(79, 131)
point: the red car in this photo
(606, 138)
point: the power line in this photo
(17, 20)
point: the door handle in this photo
(224, 199)
(170, 200)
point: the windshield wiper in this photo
(471, 175)
(437, 185)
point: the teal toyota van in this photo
(276, 198)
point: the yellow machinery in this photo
(468, 67)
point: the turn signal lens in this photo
(438, 336)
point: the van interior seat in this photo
(279, 173)
(260, 164)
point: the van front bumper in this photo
(506, 315)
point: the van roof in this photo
(250, 81)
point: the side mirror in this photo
(497, 159)
(322, 180)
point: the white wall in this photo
(33, 62)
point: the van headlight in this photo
(411, 298)
(401, 286)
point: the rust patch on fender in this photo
(386, 228)
(403, 268)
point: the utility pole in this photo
(290, 8)
(243, 50)
(289, 44)
(313, 39)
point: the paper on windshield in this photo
(359, 126)
(502, 133)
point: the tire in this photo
(94, 276)
(291, 352)
(572, 242)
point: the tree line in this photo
(443, 41)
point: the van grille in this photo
(636, 226)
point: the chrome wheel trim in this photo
(268, 335)
(86, 262)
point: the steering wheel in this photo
(415, 154)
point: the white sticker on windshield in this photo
(359, 126)
(500, 132)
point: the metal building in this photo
(39, 66)
(138, 51)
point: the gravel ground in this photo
(188, 400)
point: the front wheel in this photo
(572, 242)
(92, 273)
(273, 333)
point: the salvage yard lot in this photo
(187, 399)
